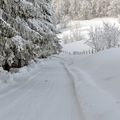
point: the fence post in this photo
(92, 51)
(89, 51)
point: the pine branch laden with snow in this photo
(24, 29)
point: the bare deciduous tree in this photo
(104, 37)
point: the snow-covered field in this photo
(78, 46)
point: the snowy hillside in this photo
(75, 34)
(79, 46)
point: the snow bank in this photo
(96, 79)
(96, 103)
(5, 78)
(19, 75)
(105, 69)
(27, 72)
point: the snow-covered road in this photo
(48, 95)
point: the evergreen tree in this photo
(27, 31)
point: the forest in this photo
(85, 9)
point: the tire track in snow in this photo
(73, 84)
(34, 100)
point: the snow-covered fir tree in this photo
(27, 31)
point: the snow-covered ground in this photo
(97, 83)
(78, 46)
(64, 87)
(96, 77)
(67, 87)
(47, 94)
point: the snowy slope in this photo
(84, 27)
(76, 46)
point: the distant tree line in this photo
(85, 9)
